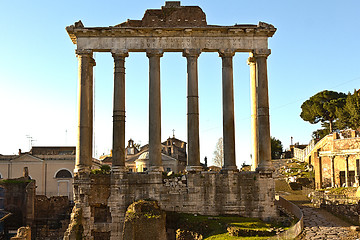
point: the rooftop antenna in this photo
(173, 133)
(30, 141)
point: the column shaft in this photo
(118, 149)
(254, 106)
(347, 177)
(193, 161)
(85, 111)
(357, 171)
(263, 120)
(333, 171)
(228, 110)
(154, 110)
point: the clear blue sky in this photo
(316, 47)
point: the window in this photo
(168, 169)
(144, 169)
(63, 174)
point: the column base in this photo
(265, 168)
(230, 169)
(82, 169)
(118, 169)
(194, 168)
(156, 169)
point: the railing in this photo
(300, 154)
(296, 229)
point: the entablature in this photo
(209, 38)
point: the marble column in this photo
(83, 160)
(254, 125)
(228, 110)
(154, 110)
(193, 161)
(332, 171)
(347, 177)
(357, 171)
(118, 149)
(263, 120)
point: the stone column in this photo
(357, 171)
(254, 125)
(85, 110)
(228, 110)
(347, 177)
(118, 149)
(332, 171)
(263, 121)
(193, 162)
(154, 110)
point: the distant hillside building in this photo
(173, 154)
(51, 167)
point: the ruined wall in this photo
(247, 194)
(52, 216)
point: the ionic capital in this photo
(87, 53)
(251, 60)
(226, 53)
(154, 53)
(261, 53)
(191, 53)
(119, 54)
(83, 52)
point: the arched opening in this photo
(63, 173)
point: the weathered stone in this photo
(144, 220)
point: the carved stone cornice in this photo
(76, 31)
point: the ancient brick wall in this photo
(52, 216)
(247, 194)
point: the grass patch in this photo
(226, 236)
(215, 227)
(14, 181)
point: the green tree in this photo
(276, 148)
(218, 158)
(322, 107)
(349, 115)
(320, 133)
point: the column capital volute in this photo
(261, 52)
(226, 53)
(191, 53)
(86, 53)
(154, 52)
(119, 53)
(83, 52)
(251, 60)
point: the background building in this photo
(51, 167)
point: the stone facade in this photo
(336, 160)
(173, 28)
(248, 194)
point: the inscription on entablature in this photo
(173, 43)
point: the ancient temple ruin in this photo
(173, 28)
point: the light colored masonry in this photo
(173, 28)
